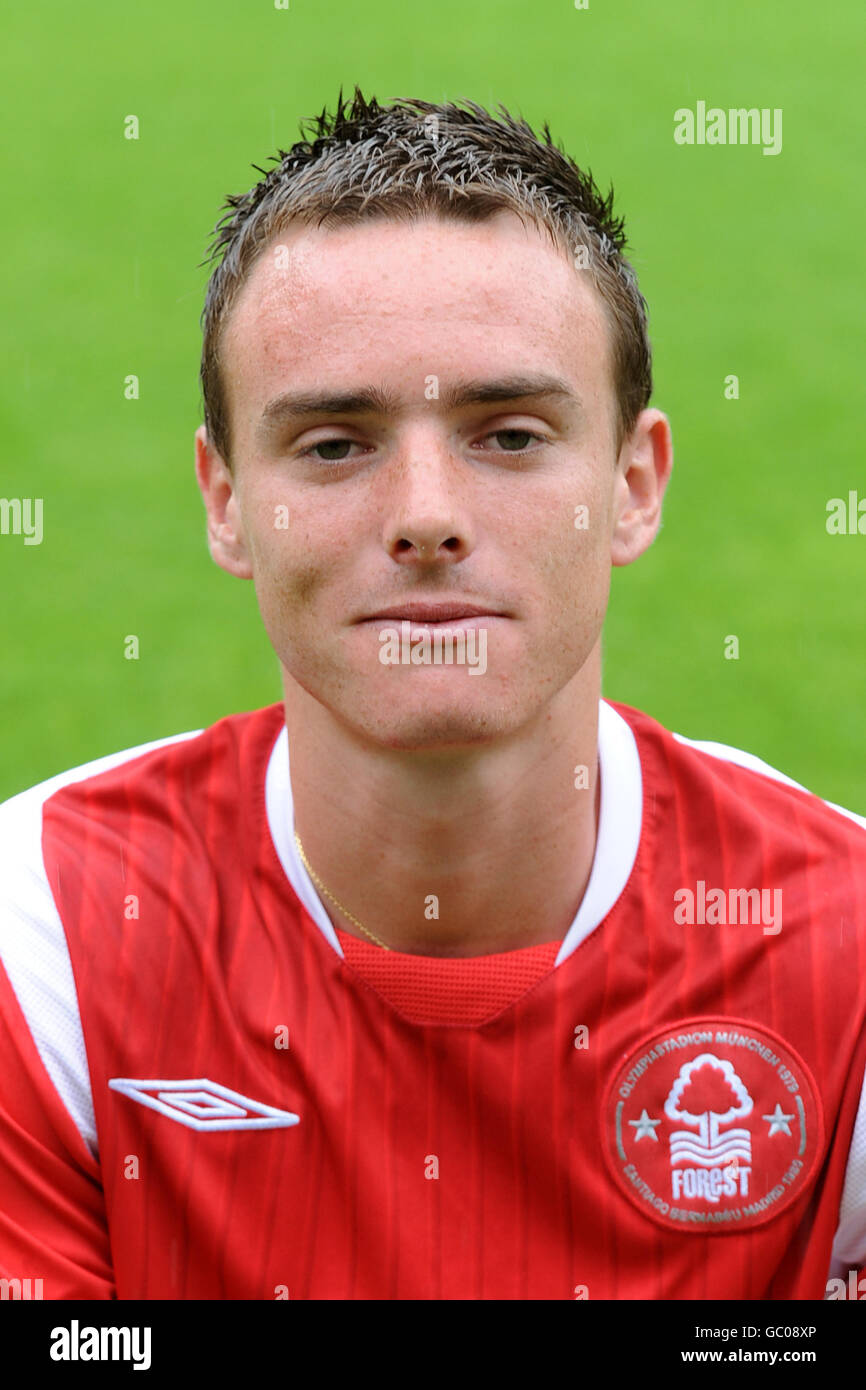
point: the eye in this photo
(516, 441)
(329, 445)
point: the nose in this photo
(427, 512)
(426, 542)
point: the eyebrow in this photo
(372, 400)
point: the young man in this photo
(444, 978)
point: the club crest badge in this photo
(712, 1125)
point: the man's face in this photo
(434, 495)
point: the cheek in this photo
(576, 541)
(575, 565)
(305, 549)
(288, 592)
(287, 584)
(287, 566)
(302, 584)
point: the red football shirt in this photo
(208, 1092)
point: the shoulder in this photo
(736, 780)
(18, 808)
(228, 739)
(33, 949)
(68, 827)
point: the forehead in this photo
(395, 301)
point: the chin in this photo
(434, 723)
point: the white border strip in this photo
(33, 944)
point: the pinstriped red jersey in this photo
(208, 1092)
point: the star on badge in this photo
(779, 1122)
(645, 1127)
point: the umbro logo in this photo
(204, 1104)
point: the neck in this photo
(463, 852)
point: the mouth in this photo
(431, 614)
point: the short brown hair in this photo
(413, 158)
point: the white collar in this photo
(619, 827)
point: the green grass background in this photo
(751, 264)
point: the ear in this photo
(643, 469)
(225, 532)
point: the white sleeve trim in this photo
(743, 759)
(33, 945)
(849, 1246)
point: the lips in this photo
(442, 612)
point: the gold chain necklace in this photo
(320, 885)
